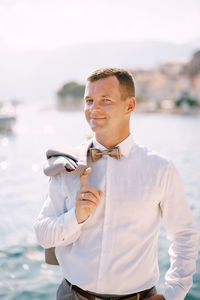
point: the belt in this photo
(93, 296)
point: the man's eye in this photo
(106, 100)
(89, 101)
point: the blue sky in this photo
(42, 24)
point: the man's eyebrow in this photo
(103, 96)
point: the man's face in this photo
(105, 111)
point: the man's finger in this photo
(89, 197)
(86, 204)
(89, 189)
(83, 177)
(100, 194)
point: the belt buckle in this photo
(137, 296)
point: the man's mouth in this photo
(97, 118)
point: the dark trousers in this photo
(65, 292)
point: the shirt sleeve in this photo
(182, 231)
(55, 225)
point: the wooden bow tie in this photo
(96, 154)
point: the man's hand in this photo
(156, 297)
(87, 198)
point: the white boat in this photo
(7, 116)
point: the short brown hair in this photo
(125, 79)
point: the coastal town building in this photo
(162, 87)
(170, 87)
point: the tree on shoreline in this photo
(70, 95)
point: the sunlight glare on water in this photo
(23, 189)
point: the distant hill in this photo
(36, 75)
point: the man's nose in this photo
(95, 106)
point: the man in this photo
(105, 223)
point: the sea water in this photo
(23, 187)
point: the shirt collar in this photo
(125, 146)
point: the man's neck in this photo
(110, 141)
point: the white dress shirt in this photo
(115, 250)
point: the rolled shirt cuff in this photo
(71, 222)
(174, 292)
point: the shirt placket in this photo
(106, 238)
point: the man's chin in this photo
(98, 125)
(97, 129)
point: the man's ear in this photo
(131, 104)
